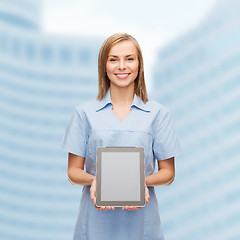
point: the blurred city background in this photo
(48, 65)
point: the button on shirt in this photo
(93, 125)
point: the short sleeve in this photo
(165, 142)
(76, 134)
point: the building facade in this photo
(42, 78)
(198, 78)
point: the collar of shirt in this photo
(137, 103)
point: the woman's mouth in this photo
(122, 75)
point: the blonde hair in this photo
(103, 80)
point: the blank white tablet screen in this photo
(120, 178)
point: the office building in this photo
(198, 78)
(42, 78)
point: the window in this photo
(30, 50)
(15, 47)
(84, 57)
(47, 53)
(65, 55)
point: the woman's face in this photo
(122, 64)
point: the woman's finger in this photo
(147, 196)
(130, 208)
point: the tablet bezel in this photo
(99, 202)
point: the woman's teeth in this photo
(122, 75)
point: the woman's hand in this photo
(131, 208)
(93, 196)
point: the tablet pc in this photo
(120, 177)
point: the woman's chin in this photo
(122, 84)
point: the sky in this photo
(154, 23)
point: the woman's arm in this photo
(77, 176)
(76, 173)
(165, 174)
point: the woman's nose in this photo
(122, 64)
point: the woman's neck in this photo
(122, 96)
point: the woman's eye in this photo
(130, 59)
(112, 59)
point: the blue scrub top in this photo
(93, 125)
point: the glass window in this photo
(30, 50)
(65, 55)
(47, 53)
(16, 47)
(84, 57)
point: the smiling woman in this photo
(121, 116)
(120, 55)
